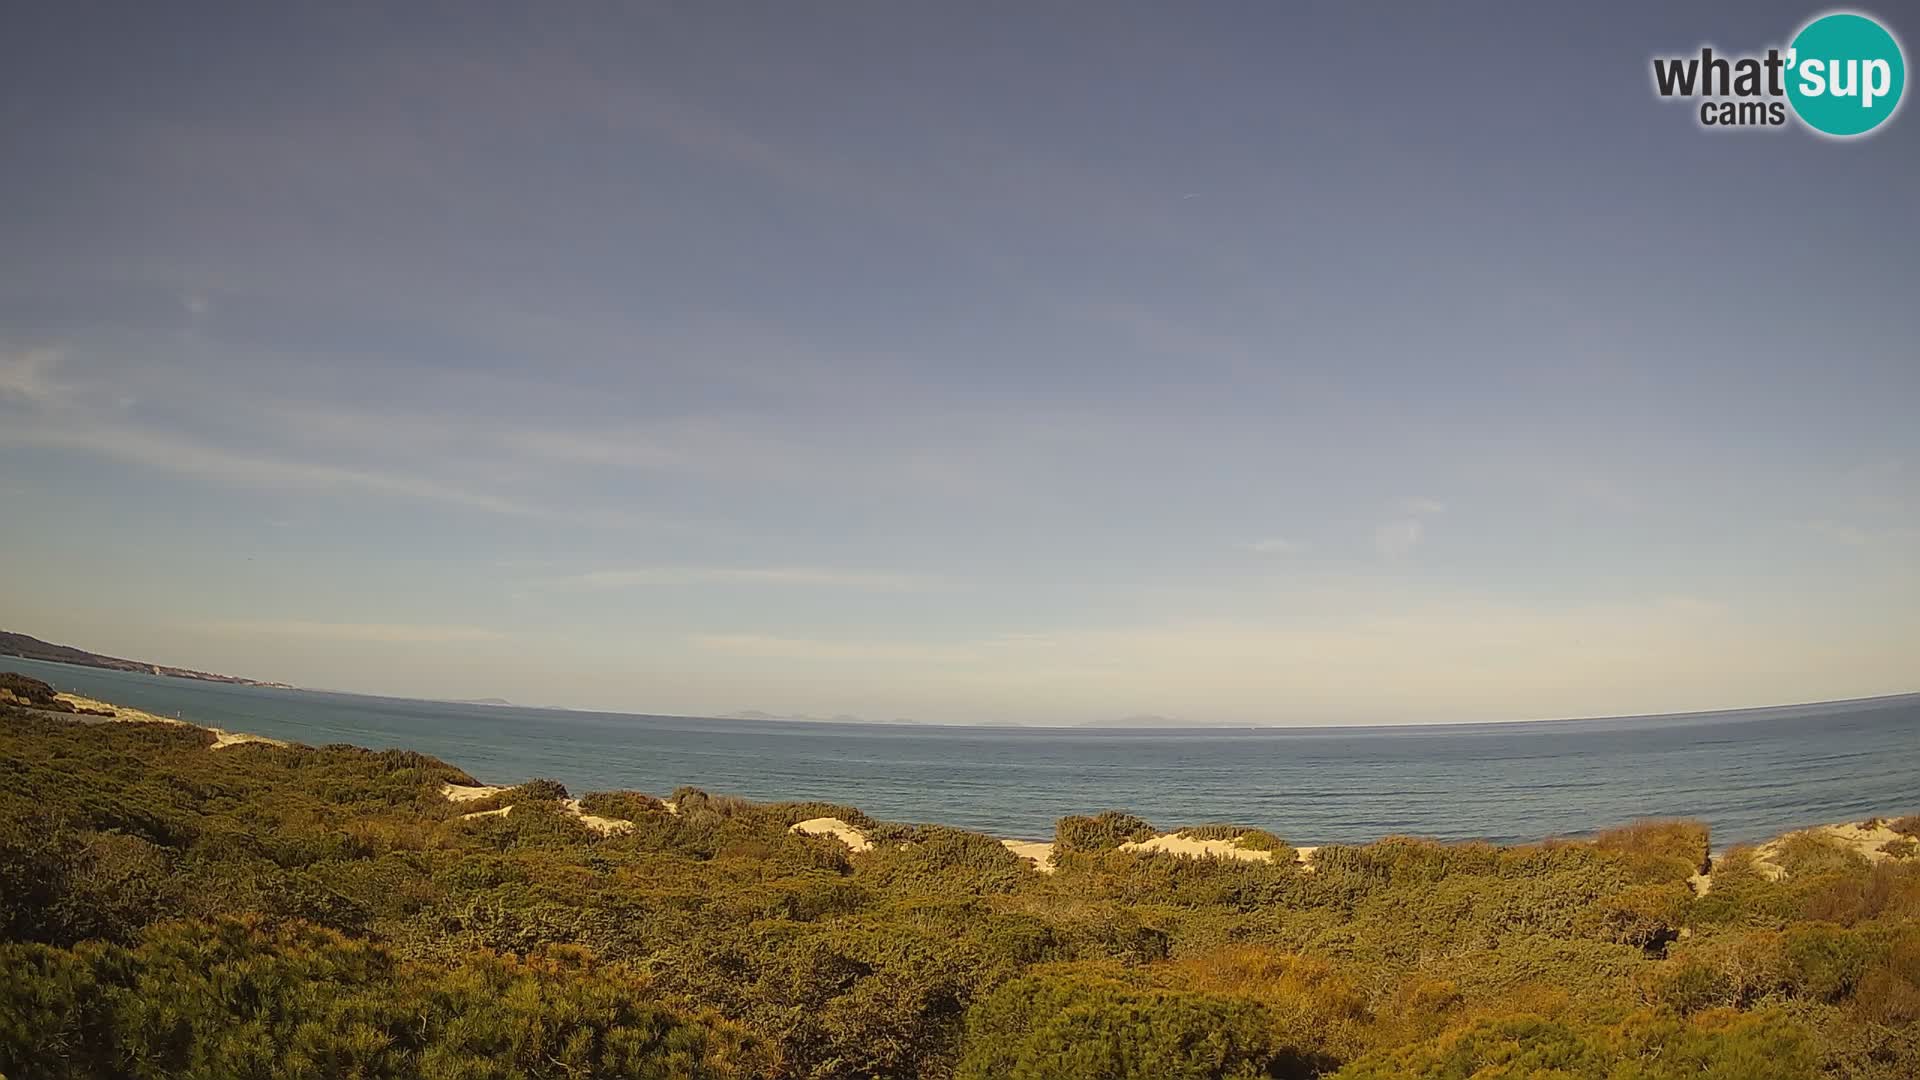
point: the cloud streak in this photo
(795, 576)
(380, 633)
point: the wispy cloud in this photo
(768, 646)
(1396, 539)
(799, 576)
(151, 449)
(59, 412)
(1273, 545)
(1859, 536)
(394, 633)
(27, 375)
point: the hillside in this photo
(32, 648)
(171, 905)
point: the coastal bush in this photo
(236, 998)
(1646, 917)
(1262, 840)
(1065, 1028)
(1250, 839)
(621, 805)
(1657, 850)
(951, 862)
(1906, 826)
(1102, 832)
(1803, 854)
(144, 880)
(1647, 1046)
(1688, 985)
(533, 791)
(1823, 961)
(1212, 831)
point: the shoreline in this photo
(1869, 838)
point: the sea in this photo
(1750, 774)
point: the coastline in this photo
(1874, 838)
(757, 919)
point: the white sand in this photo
(460, 793)
(122, 714)
(1037, 852)
(1849, 834)
(833, 826)
(605, 826)
(1175, 844)
(468, 793)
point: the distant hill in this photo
(842, 718)
(32, 648)
(1142, 720)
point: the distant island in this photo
(32, 648)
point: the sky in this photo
(1234, 363)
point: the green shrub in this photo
(1262, 840)
(1646, 917)
(235, 999)
(621, 805)
(1822, 961)
(1059, 1028)
(1689, 985)
(1102, 832)
(1657, 850)
(129, 855)
(1649, 1046)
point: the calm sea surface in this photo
(1750, 774)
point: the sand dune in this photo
(461, 793)
(122, 714)
(833, 826)
(1863, 837)
(1176, 844)
(1037, 852)
(605, 826)
(469, 793)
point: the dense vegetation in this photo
(167, 910)
(17, 689)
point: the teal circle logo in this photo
(1845, 73)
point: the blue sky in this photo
(1246, 364)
